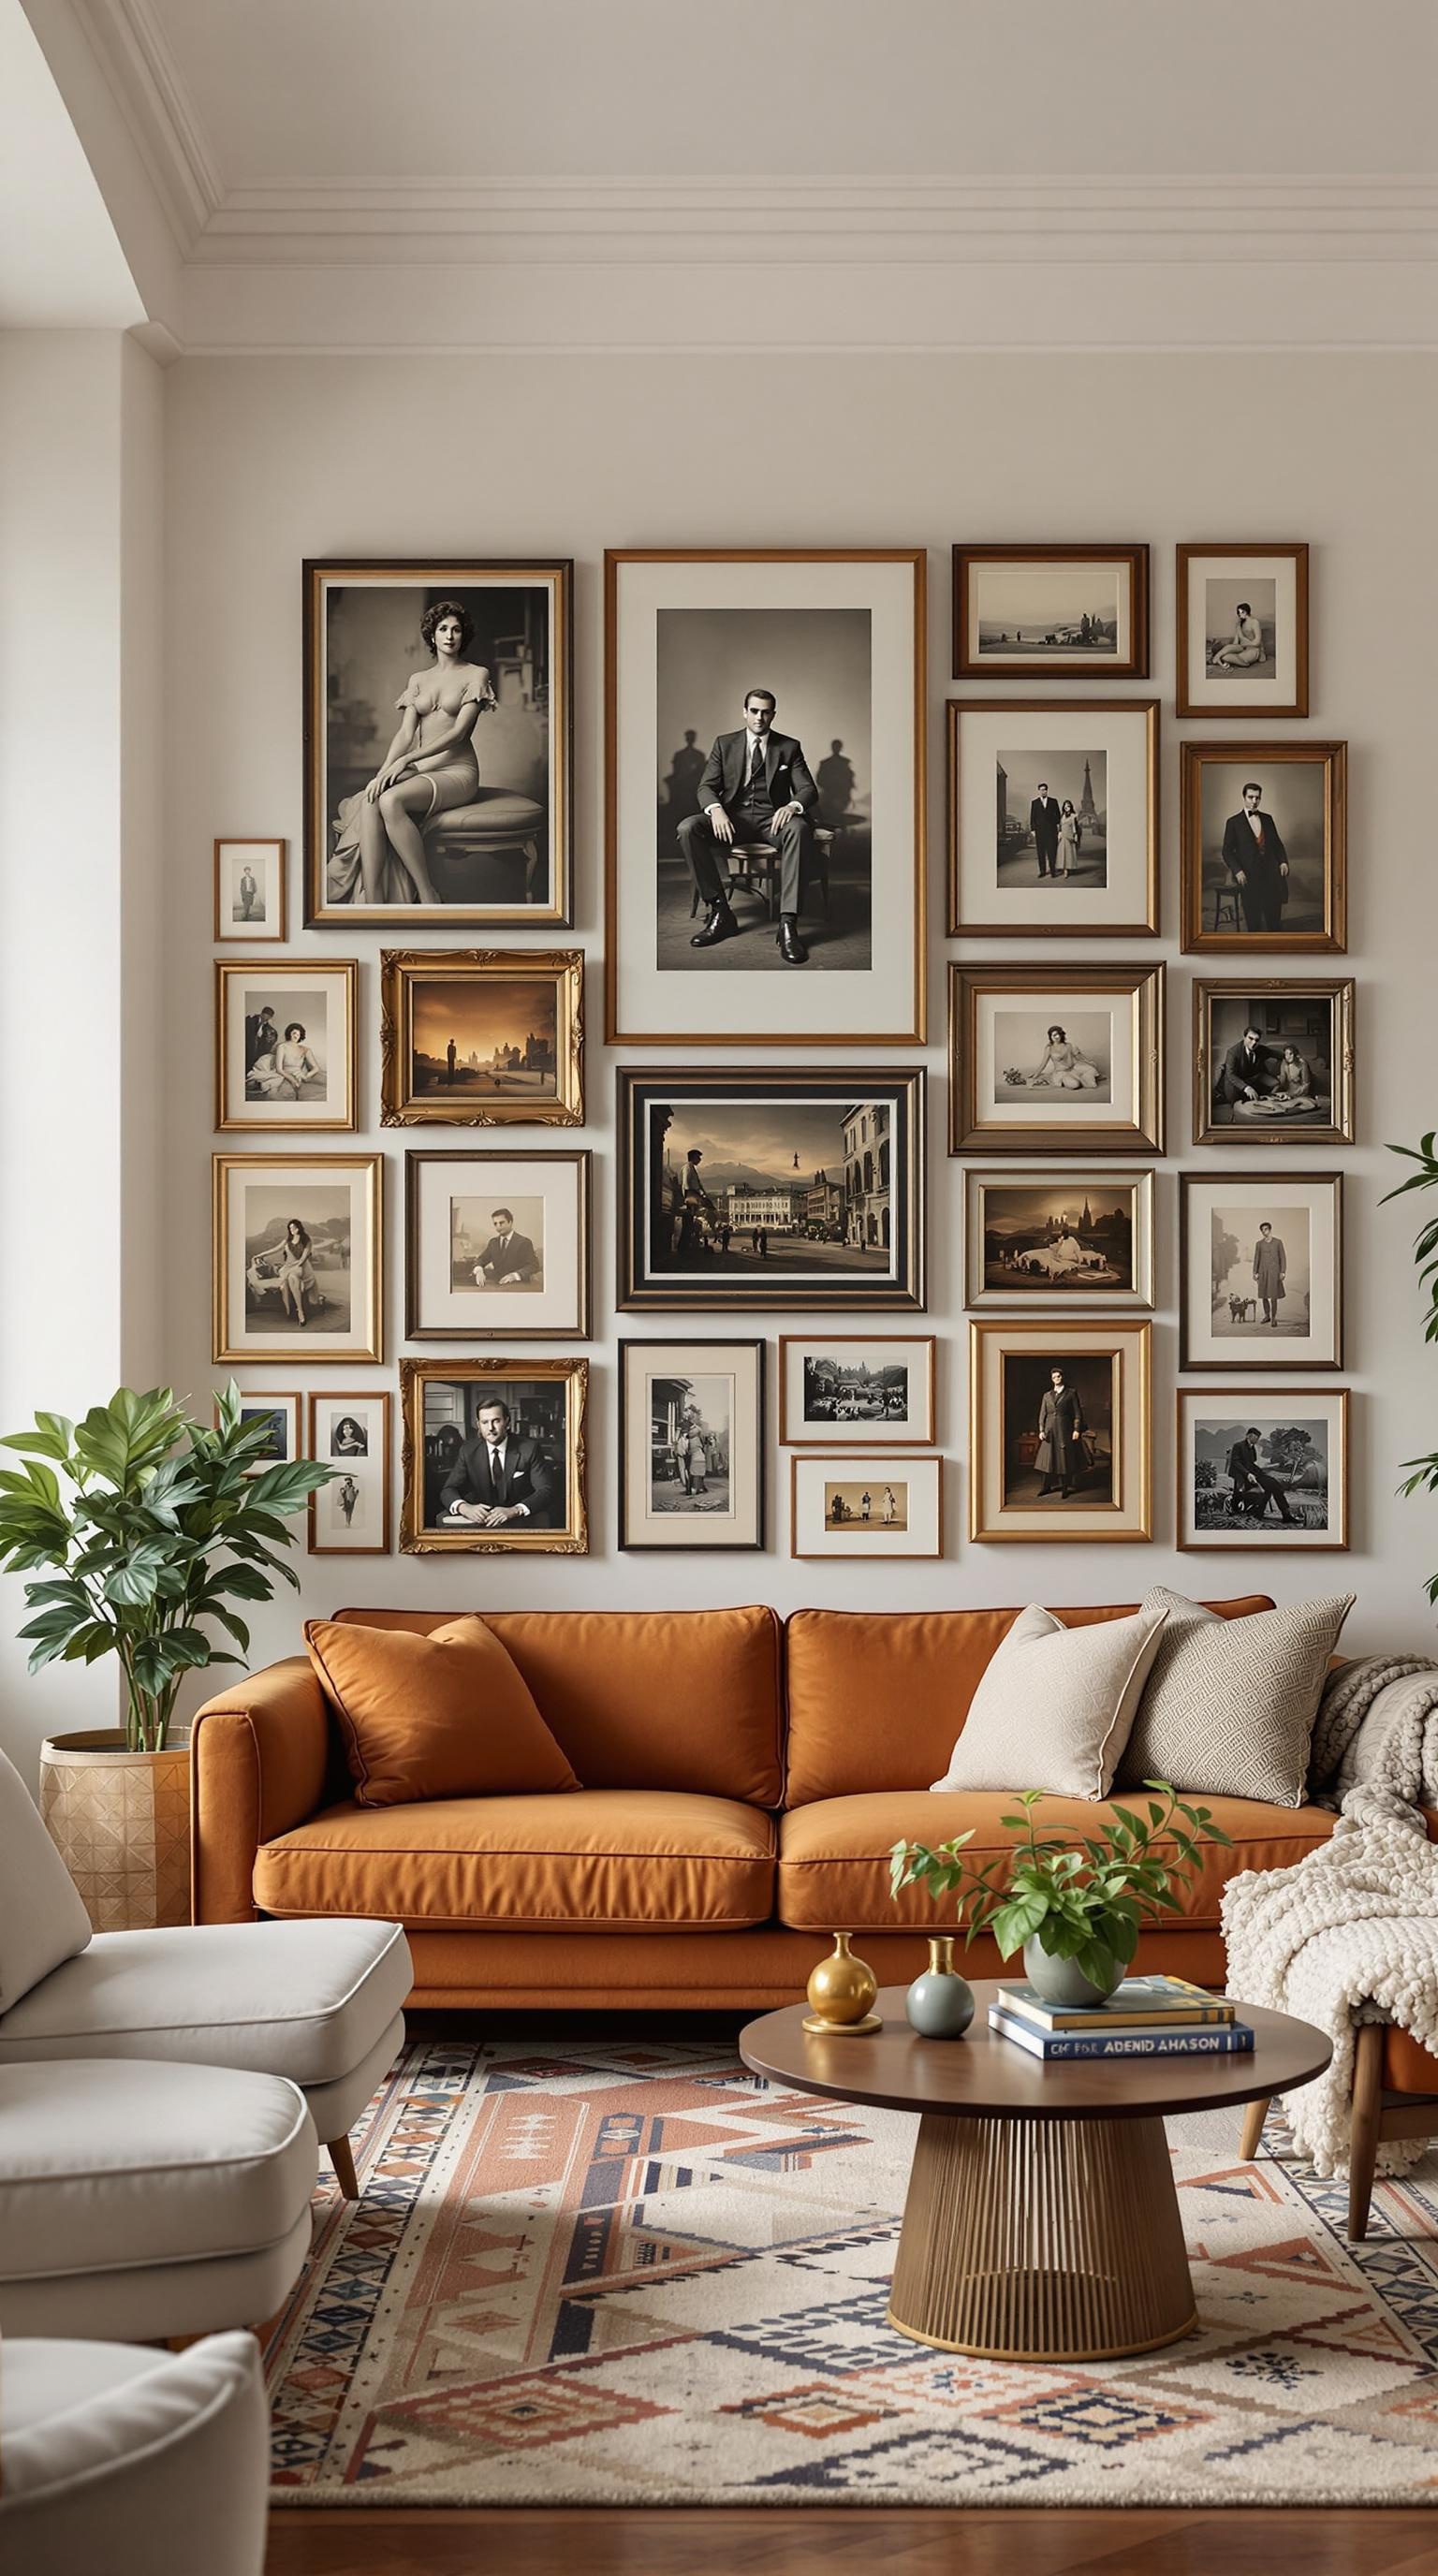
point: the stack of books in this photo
(1145, 2017)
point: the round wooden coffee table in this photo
(1041, 2223)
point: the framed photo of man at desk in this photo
(1264, 853)
(764, 820)
(494, 1456)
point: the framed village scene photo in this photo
(1053, 818)
(1263, 1468)
(438, 725)
(854, 1390)
(1273, 1061)
(285, 1044)
(1059, 1430)
(1060, 1239)
(496, 1243)
(482, 1037)
(691, 1444)
(1264, 847)
(1260, 1270)
(296, 1266)
(249, 891)
(494, 1456)
(1051, 612)
(1243, 630)
(1056, 1058)
(764, 852)
(866, 1505)
(350, 1434)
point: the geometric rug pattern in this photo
(626, 2271)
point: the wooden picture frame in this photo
(334, 1510)
(440, 1397)
(889, 1500)
(1312, 1481)
(272, 1102)
(1267, 652)
(1104, 1090)
(549, 1230)
(288, 1404)
(692, 1455)
(1229, 1318)
(267, 862)
(1064, 586)
(1090, 872)
(488, 1000)
(1223, 917)
(856, 1400)
(263, 1279)
(1286, 1011)
(1107, 1360)
(1050, 1253)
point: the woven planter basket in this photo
(121, 1823)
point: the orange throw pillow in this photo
(449, 1715)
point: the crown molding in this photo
(144, 79)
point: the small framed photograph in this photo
(250, 891)
(351, 1515)
(1059, 1430)
(1053, 1059)
(296, 1263)
(1069, 1240)
(1260, 1267)
(691, 1444)
(496, 1243)
(476, 1037)
(1263, 1467)
(1273, 1061)
(1051, 612)
(852, 1390)
(1053, 818)
(282, 1412)
(1264, 847)
(285, 1044)
(868, 1504)
(494, 1457)
(1242, 631)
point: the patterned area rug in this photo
(626, 2272)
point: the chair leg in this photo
(342, 2157)
(1363, 2133)
(1253, 2119)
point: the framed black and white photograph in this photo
(496, 1243)
(494, 1457)
(1263, 1467)
(1051, 612)
(438, 742)
(869, 1504)
(1243, 630)
(350, 1434)
(1053, 818)
(1049, 1059)
(482, 1037)
(1059, 1430)
(1273, 1061)
(281, 1412)
(285, 1044)
(764, 867)
(691, 1444)
(1264, 842)
(1261, 1270)
(771, 1190)
(1061, 1239)
(296, 1261)
(250, 891)
(851, 1390)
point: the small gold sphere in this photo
(842, 1988)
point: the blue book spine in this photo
(1236, 2041)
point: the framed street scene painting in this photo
(691, 1444)
(494, 1456)
(1260, 1268)
(1053, 818)
(852, 1390)
(1242, 630)
(438, 727)
(1050, 612)
(870, 1504)
(1264, 847)
(1059, 1430)
(249, 891)
(771, 1189)
(1053, 1059)
(496, 1243)
(282, 1413)
(296, 1260)
(764, 825)
(285, 1044)
(1263, 1467)
(351, 1515)
(1061, 1239)
(482, 1037)
(1273, 1061)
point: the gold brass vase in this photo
(841, 1993)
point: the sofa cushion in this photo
(1060, 1700)
(447, 1715)
(1229, 1711)
(1408, 2067)
(42, 1917)
(631, 1860)
(834, 1853)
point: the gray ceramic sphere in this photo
(940, 2005)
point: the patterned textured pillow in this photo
(1054, 1705)
(1230, 1703)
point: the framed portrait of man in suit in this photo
(1264, 847)
(496, 1246)
(764, 736)
(494, 1456)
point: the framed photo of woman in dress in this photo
(1260, 1270)
(438, 736)
(482, 1037)
(350, 1434)
(1243, 630)
(1059, 1430)
(1049, 1059)
(297, 1272)
(494, 1457)
(285, 1044)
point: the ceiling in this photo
(60, 263)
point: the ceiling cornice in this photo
(141, 72)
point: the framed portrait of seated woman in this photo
(285, 1043)
(438, 742)
(1053, 1059)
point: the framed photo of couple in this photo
(1273, 1061)
(285, 1044)
(1053, 818)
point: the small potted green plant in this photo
(1074, 1909)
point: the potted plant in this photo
(155, 1526)
(1075, 1910)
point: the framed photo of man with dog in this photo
(1260, 1268)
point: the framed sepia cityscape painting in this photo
(848, 1390)
(351, 1515)
(1260, 1267)
(1263, 1467)
(482, 1037)
(1063, 1239)
(1273, 1061)
(1264, 847)
(691, 1444)
(296, 1257)
(1059, 1440)
(1053, 818)
(494, 1456)
(1056, 1059)
(1050, 612)
(496, 1243)
(1243, 630)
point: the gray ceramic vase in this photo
(940, 2004)
(1061, 1981)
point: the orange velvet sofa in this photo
(745, 1779)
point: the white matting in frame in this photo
(496, 1243)
(866, 1505)
(691, 1465)
(1098, 759)
(350, 1516)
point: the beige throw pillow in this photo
(1055, 1705)
(1230, 1703)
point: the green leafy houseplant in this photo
(1086, 1902)
(1421, 1474)
(157, 1526)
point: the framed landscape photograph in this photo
(869, 1504)
(1273, 1061)
(1243, 630)
(438, 742)
(296, 1266)
(1053, 1059)
(1059, 1430)
(250, 891)
(765, 775)
(285, 1044)
(1062, 1239)
(851, 1390)
(1053, 818)
(351, 1516)
(1264, 847)
(496, 1243)
(482, 1037)
(494, 1457)
(1263, 1467)
(691, 1444)
(282, 1413)
(771, 1190)
(1051, 612)
(1260, 1270)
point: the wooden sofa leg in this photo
(1253, 2119)
(342, 2157)
(1363, 2133)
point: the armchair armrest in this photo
(259, 1760)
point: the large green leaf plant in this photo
(1421, 1474)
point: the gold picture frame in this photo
(377, 1404)
(987, 1018)
(1025, 1284)
(1214, 780)
(248, 1269)
(473, 1093)
(1279, 1006)
(233, 1072)
(1107, 1361)
(428, 1463)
